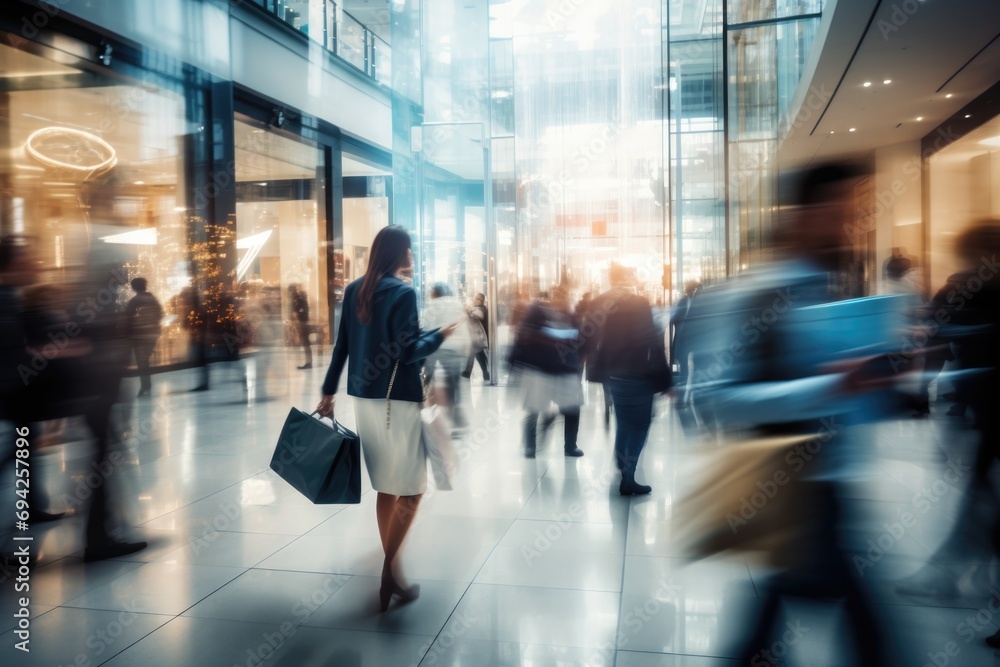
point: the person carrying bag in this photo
(379, 334)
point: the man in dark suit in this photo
(630, 357)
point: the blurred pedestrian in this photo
(194, 320)
(546, 359)
(479, 328)
(443, 309)
(631, 354)
(774, 385)
(970, 319)
(380, 336)
(300, 316)
(144, 316)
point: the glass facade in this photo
(767, 48)
(221, 211)
(95, 160)
(608, 134)
(696, 141)
(280, 230)
(334, 26)
(529, 147)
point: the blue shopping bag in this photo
(322, 461)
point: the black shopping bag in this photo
(321, 461)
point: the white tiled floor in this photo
(525, 563)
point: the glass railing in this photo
(326, 23)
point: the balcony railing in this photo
(326, 23)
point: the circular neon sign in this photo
(71, 149)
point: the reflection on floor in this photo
(525, 563)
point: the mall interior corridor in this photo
(531, 562)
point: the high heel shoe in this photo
(390, 588)
(406, 595)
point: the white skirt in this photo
(395, 457)
(542, 389)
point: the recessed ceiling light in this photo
(887, 81)
(968, 115)
(949, 96)
(853, 129)
(831, 131)
(920, 117)
(140, 182)
(867, 84)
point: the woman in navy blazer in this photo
(380, 337)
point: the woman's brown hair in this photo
(389, 252)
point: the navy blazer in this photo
(393, 334)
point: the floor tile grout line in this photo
(538, 482)
(621, 595)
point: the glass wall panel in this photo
(745, 11)
(351, 40)
(280, 222)
(765, 64)
(441, 131)
(696, 143)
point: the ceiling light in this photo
(140, 182)
(968, 115)
(920, 118)
(831, 131)
(992, 141)
(887, 81)
(852, 129)
(949, 96)
(867, 84)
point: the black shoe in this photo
(574, 451)
(486, 378)
(305, 366)
(112, 550)
(467, 375)
(39, 516)
(633, 488)
(529, 453)
(201, 387)
(143, 392)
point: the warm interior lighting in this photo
(145, 236)
(852, 129)
(867, 84)
(920, 117)
(949, 96)
(253, 245)
(887, 81)
(993, 142)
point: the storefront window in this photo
(366, 210)
(964, 189)
(280, 225)
(96, 164)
